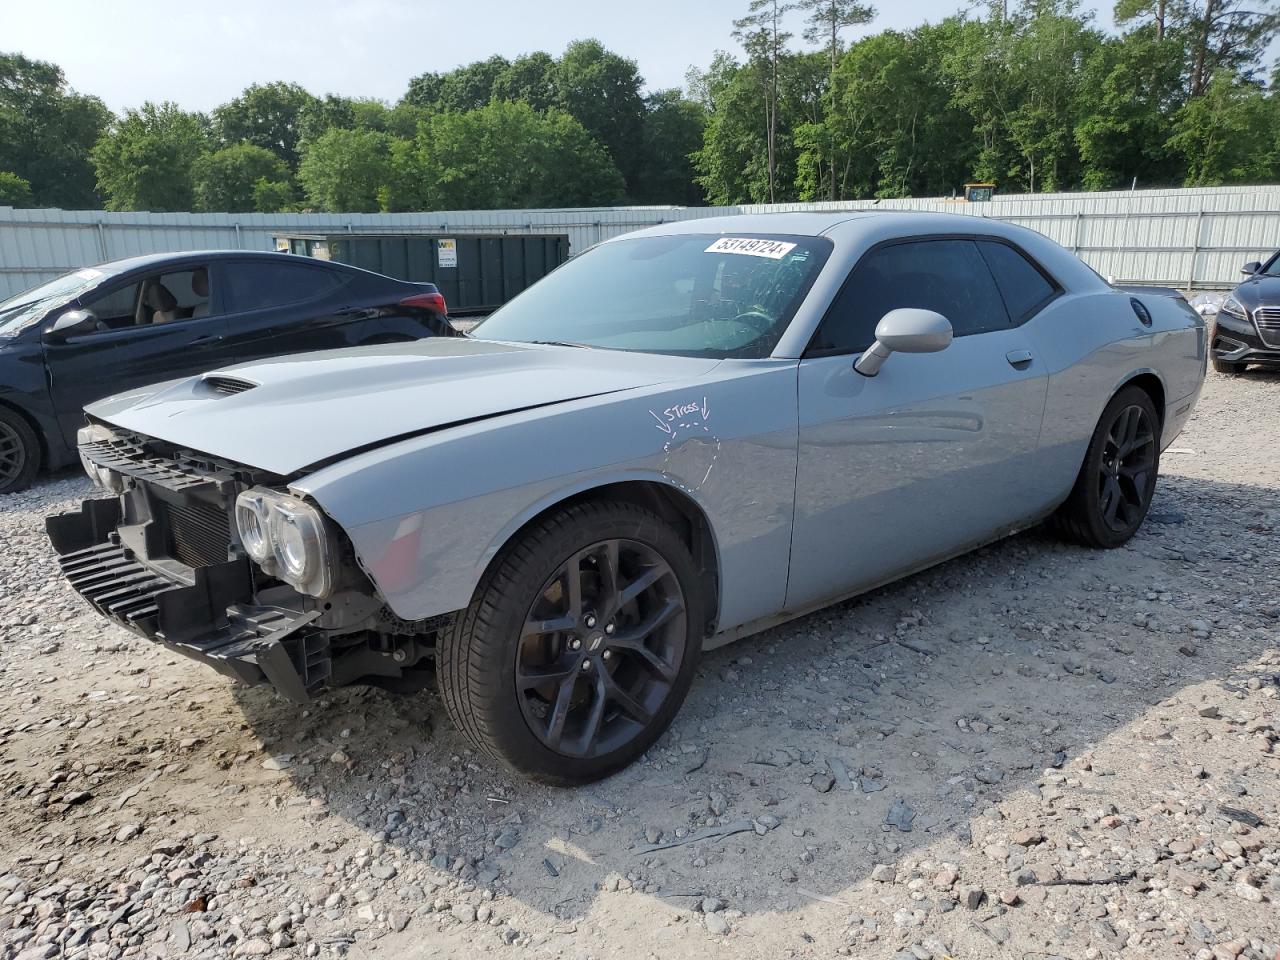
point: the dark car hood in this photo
(307, 409)
(1258, 291)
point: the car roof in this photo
(152, 259)
(795, 224)
(834, 223)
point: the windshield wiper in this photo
(559, 343)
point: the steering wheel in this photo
(757, 320)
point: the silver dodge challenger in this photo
(681, 437)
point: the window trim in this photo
(810, 351)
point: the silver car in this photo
(681, 437)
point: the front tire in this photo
(1113, 491)
(579, 645)
(20, 453)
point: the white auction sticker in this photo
(752, 247)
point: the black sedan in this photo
(106, 329)
(1247, 328)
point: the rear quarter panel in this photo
(426, 516)
(1092, 344)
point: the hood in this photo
(285, 414)
(1260, 290)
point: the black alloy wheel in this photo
(19, 452)
(601, 648)
(1117, 480)
(579, 645)
(1126, 469)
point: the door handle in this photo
(1019, 358)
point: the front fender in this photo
(427, 515)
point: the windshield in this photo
(700, 295)
(19, 312)
(1272, 267)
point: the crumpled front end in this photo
(164, 560)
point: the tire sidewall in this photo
(1228, 368)
(1103, 534)
(508, 729)
(27, 437)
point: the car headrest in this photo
(158, 297)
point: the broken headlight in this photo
(287, 538)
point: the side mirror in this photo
(71, 323)
(905, 330)
(1250, 268)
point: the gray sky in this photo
(200, 55)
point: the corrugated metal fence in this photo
(1181, 238)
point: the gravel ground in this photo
(1035, 751)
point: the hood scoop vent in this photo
(227, 386)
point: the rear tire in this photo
(20, 453)
(579, 645)
(1117, 480)
(1227, 366)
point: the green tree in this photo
(402, 120)
(146, 159)
(1214, 35)
(762, 37)
(265, 115)
(273, 196)
(346, 171)
(732, 165)
(601, 90)
(530, 79)
(14, 191)
(1228, 135)
(343, 113)
(1132, 88)
(47, 131)
(503, 155)
(673, 129)
(893, 131)
(824, 22)
(466, 88)
(227, 180)
(1019, 77)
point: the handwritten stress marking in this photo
(674, 414)
(682, 422)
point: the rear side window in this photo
(256, 286)
(947, 276)
(1024, 287)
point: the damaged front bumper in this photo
(205, 613)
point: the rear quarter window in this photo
(256, 286)
(1023, 285)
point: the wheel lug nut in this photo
(586, 664)
(609, 628)
(575, 644)
(591, 621)
(607, 654)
